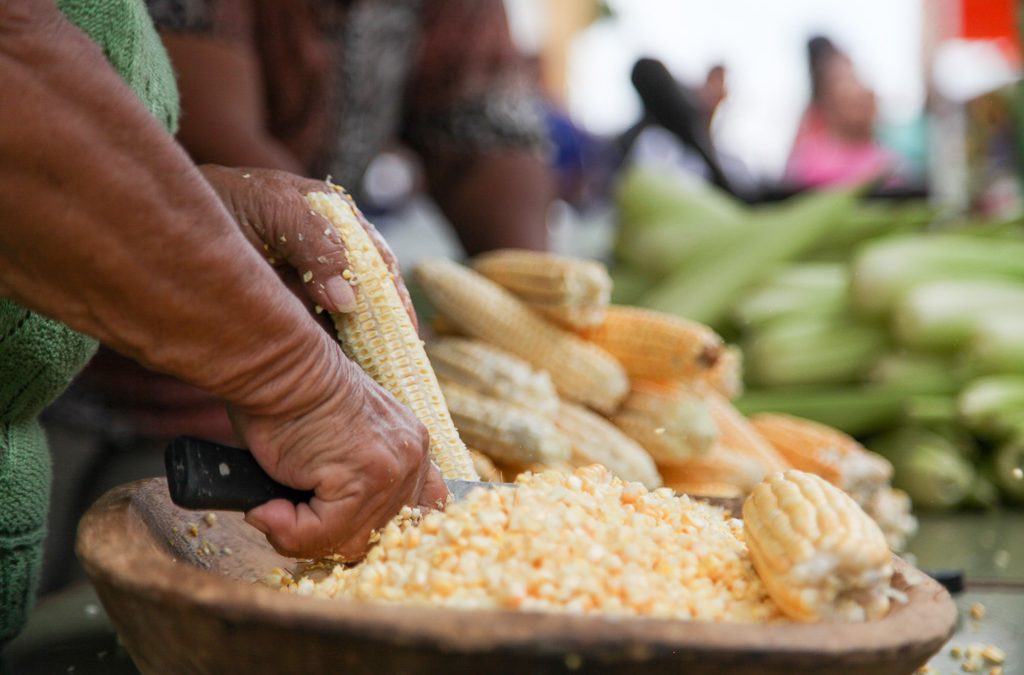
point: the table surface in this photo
(70, 633)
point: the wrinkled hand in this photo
(301, 245)
(364, 455)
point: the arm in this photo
(107, 226)
(471, 115)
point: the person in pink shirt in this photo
(835, 142)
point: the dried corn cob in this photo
(484, 310)
(818, 553)
(890, 508)
(380, 337)
(504, 431)
(488, 471)
(736, 433)
(708, 489)
(827, 452)
(493, 372)
(726, 376)
(672, 423)
(570, 291)
(720, 465)
(512, 470)
(655, 346)
(595, 440)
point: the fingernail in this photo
(341, 294)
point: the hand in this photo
(302, 246)
(364, 455)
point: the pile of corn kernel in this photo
(580, 543)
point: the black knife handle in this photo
(206, 475)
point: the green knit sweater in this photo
(39, 356)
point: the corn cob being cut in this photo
(672, 423)
(655, 346)
(569, 291)
(721, 465)
(503, 431)
(581, 371)
(493, 372)
(380, 337)
(827, 452)
(737, 433)
(595, 440)
(818, 553)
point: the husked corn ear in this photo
(485, 467)
(504, 431)
(737, 433)
(493, 372)
(720, 465)
(380, 337)
(708, 489)
(890, 508)
(512, 470)
(484, 310)
(726, 376)
(816, 448)
(818, 553)
(570, 291)
(670, 422)
(655, 346)
(595, 440)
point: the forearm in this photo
(107, 226)
(497, 201)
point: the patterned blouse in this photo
(342, 78)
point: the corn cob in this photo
(512, 470)
(655, 346)
(708, 489)
(726, 375)
(736, 433)
(488, 471)
(596, 440)
(720, 465)
(503, 431)
(569, 291)
(581, 371)
(493, 372)
(817, 552)
(380, 337)
(820, 449)
(670, 422)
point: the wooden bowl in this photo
(188, 604)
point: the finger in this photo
(435, 493)
(318, 256)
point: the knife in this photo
(202, 474)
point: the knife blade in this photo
(202, 474)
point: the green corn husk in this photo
(1007, 469)
(808, 350)
(884, 270)
(802, 289)
(926, 466)
(629, 283)
(665, 221)
(996, 345)
(855, 410)
(871, 220)
(983, 493)
(915, 373)
(943, 315)
(713, 281)
(993, 406)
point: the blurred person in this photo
(835, 143)
(109, 232)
